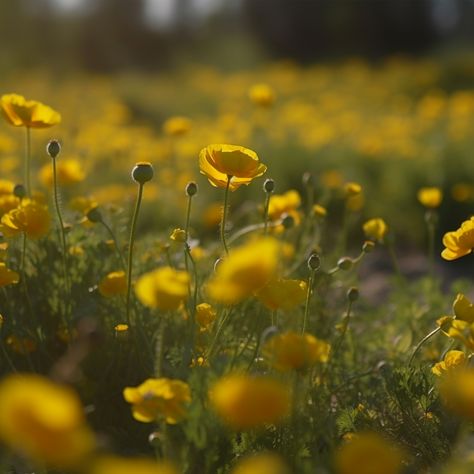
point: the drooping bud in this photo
(269, 186)
(142, 172)
(53, 148)
(94, 215)
(191, 189)
(19, 191)
(368, 246)
(352, 294)
(345, 263)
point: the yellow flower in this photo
(375, 229)
(290, 350)
(463, 308)
(245, 271)
(29, 217)
(118, 465)
(452, 360)
(282, 294)
(222, 162)
(156, 399)
(113, 284)
(43, 421)
(246, 402)
(368, 453)
(164, 288)
(20, 112)
(286, 203)
(7, 276)
(68, 172)
(263, 463)
(319, 210)
(262, 94)
(459, 242)
(456, 389)
(176, 126)
(430, 197)
(205, 314)
(6, 187)
(352, 189)
(178, 235)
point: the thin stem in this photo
(159, 348)
(393, 257)
(345, 325)
(420, 344)
(308, 298)
(114, 238)
(186, 233)
(431, 245)
(27, 162)
(224, 215)
(130, 250)
(265, 213)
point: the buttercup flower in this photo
(246, 402)
(459, 242)
(295, 351)
(157, 399)
(30, 217)
(164, 288)
(430, 197)
(368, 453)
(113, 284)
(43, 421)
(287, 203)
(375, 229)
(20, 112)
(245, 271)
(178, 235)
(7, 276)
(118, 465)
(282, 294)
(456, 389)
(205, 314)
(176, 126)
(263, 463)
(68, 172)
(222, 162)
(262, 94)
(452, 360)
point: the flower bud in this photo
(269, 186)
(142, 172)
(191, 189)
(368, 246)
(178, 235)
(19, 191)
(345, 263)
(308, 179)
(288, 221)
(314, 262)
(53, 148)
(217, 263)
(352, 294)
(94, 215)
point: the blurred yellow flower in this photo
(375, 229)
(282, 294)
(452, 360)
(463, 308)
(20, 112)
(119, 465)
(262, 94)
(459, 242)
(245, 271)
(246, 402)
(177, 126)
(43, 421)
(157, 399)
(7, 276)
(164, 288)
(456, 389)
(286, 203)
(319, 210)
(291, 350)
(29, 217)
(6, 187)
(113, 284)
(178, 235)
(7, 203)
(430, 197)
(68, 172)
(222, 162)
(205, 314)
(352, 189)
(368, 453)
(263, 463)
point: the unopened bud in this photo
(345, 263)
(142, 172)
(191, 189)
(352, 294)
(288, 221)
(53, 148)
(269, 186)
(94, 215)
(368, 246)
(19, 191)
(314, 262)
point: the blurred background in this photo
(105, 35)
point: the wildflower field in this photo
(253, 272)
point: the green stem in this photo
(130, 251)
(265, 213)
(27, 162)
(114, 238)
(393, 257)
(420, 344)
(186, 237)
(224, 215)
(431, 247)
(308, 298)
(159, 348)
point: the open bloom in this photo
(430, 197)
(29, 217)
(295, 351)
(287, 203)
(282, 294)
(246, 270)
(459, 242)
(20, 112)
(43, 421)
(156, 399)
(7, 276)
(164, 288)
(114, 283)
(375, 229)
(452, 360)
(220, 163)
(246, 402)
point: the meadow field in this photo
(260, 271)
